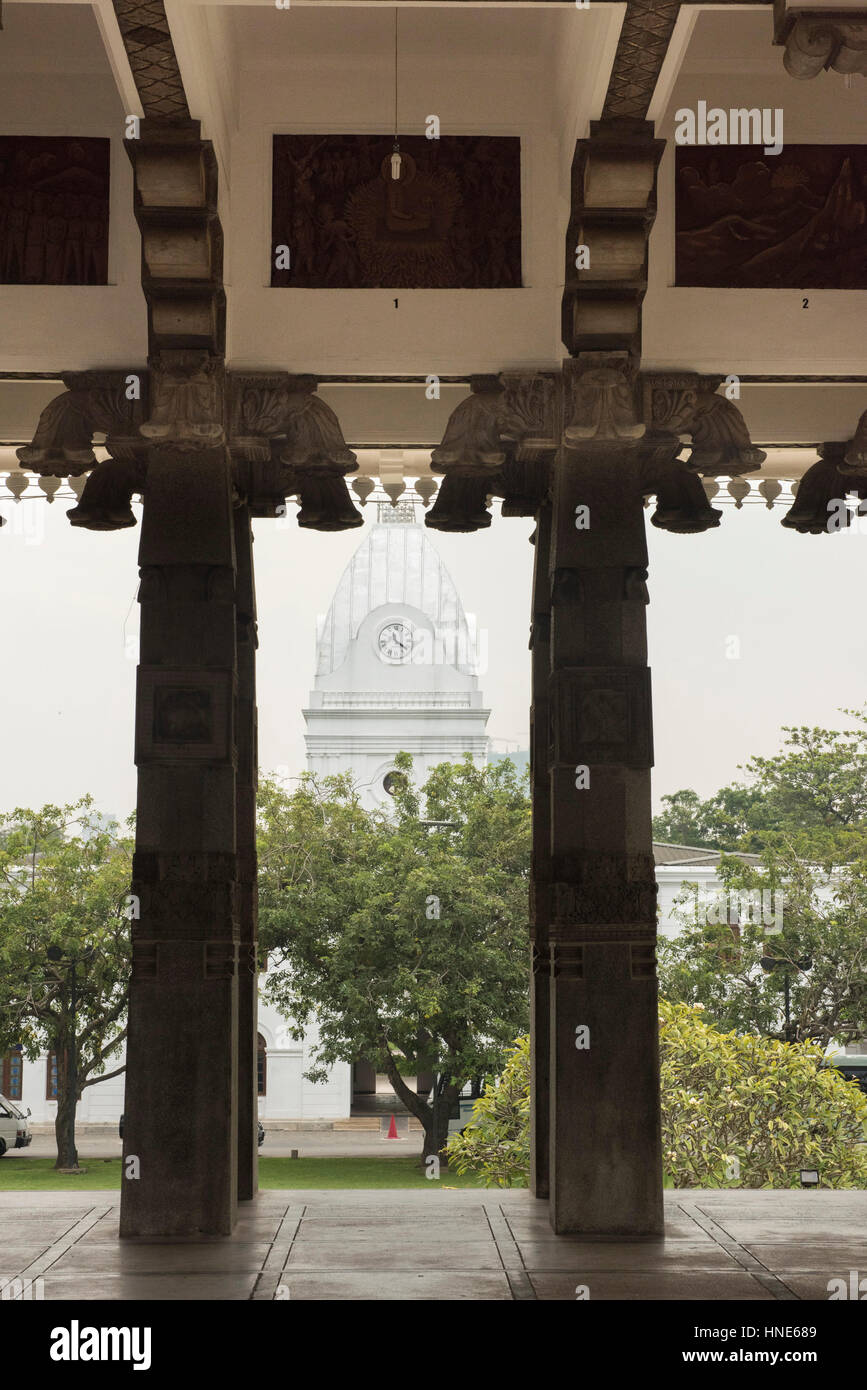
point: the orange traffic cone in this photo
(392, 1130)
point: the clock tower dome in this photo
(397, 663)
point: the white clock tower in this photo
(396, 663)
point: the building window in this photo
(51, 1077)
(13, 1068)
(261, 1064)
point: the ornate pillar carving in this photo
(605, 1162)
(194, 721)
(594, 1109)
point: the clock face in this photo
(395, 641)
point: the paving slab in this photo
(464, 1244)
(218, 1257)
(654, 1286)
(410, 1254)
(342, 1287)
(84, 1287)
(678, 1255)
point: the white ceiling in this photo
(51, 38)
(268, 37)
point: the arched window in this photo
(261, 1064)
(51, 1077)
(13, 1069)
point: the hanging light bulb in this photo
(395, 160)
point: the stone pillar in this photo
(605, 1160)
(540, 892)
(181, 1108)
(247, 780)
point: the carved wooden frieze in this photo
(452, 219)
(54, 204)
(789, 221)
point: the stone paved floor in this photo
(478, 1245)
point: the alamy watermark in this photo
(758, 907)
(739, 125)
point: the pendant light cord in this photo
(395, 74)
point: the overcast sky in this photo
(793, 603)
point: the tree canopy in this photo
(404, 934)
(64, 946)
(805, 818)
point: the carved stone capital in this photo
(186, 389)
(685, 403)
(601, 402)
(815, 40)
(94, 402)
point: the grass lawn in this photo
(38, 1175)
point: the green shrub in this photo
(496, 1141)
(737, 1111)
(746, 1111)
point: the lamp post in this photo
(771, 963)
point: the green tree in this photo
(815, 788)
(405, 936)
(681, 821)
(813, 985)
(64, 948)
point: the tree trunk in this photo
(64, 1121)
(436, 1123)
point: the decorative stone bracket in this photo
(815, 40)
(502, 440)
(820, 505)
(109, 403)
(685, 403)
(283, 439)
(286, 441)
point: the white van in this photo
(14, 1126)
